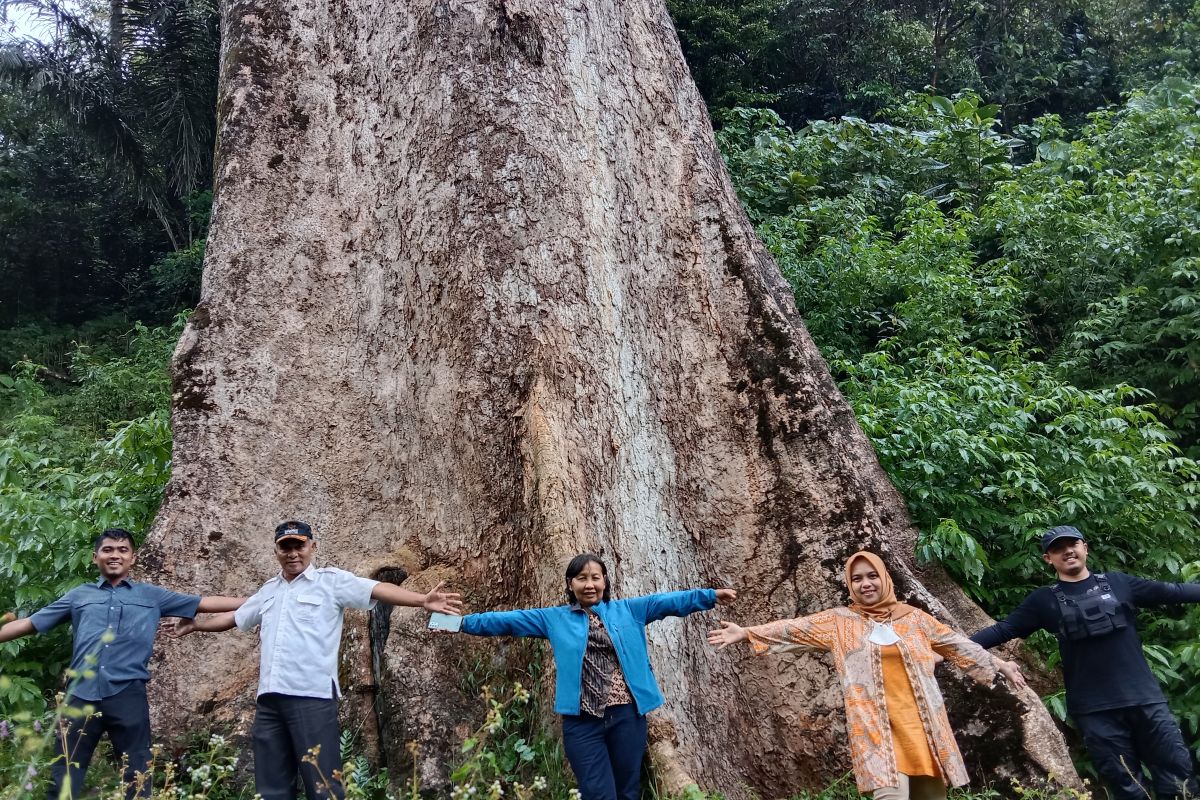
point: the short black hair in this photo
(119, 534)
(576, 566)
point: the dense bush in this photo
(72, 463)
(1017, 337)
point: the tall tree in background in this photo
(809, 59)
(479, 296)
(121, 104)
(142, 91)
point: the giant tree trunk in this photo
(478, 297)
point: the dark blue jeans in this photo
(125, 717)
(606, 754)
(1123, 740)
(286, 728)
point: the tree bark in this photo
(116, 29)
(479, 296)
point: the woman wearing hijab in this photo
(884, 651)
(604, 683)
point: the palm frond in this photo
(146, 105)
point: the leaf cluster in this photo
(813, 59)
(1013, 320)
(72, 464)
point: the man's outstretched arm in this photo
(217, 604)
(213, 624)
(16, 629)
(1021, 623)
(1158, 593)
(435, 600)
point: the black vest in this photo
(1097, 613)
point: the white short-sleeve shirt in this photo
(300, 627)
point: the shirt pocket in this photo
(91, 617)
(139, 618)
(309, 607)
(266, 616)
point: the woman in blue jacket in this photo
(605, 686)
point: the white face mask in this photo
(883, 634)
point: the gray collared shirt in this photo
(113, 629)
(301, 628)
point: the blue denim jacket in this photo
(567, 629)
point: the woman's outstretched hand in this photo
(727, 634)
(1010, 670)
(726, 596)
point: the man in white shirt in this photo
(299, 616)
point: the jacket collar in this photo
(574, 606)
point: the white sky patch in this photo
(22, 22)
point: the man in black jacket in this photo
(1111, 693)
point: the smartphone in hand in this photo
(444, 622)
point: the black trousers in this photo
(296, 734)
(125, 717)
(1121, 741)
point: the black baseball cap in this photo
(1059, 532)
(293, 529)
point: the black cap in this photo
(1059, 532)
(293, 529)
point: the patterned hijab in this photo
(886, 608)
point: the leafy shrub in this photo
(71, 465)
(1019, 339)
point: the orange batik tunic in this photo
(859, 663)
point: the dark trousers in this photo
(606, 753)
(125, 717)
(286, 731)
(1123, 740)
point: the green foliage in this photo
(989, 450)
(140, 90)
(72, 464)
(1122, 288)
(176, 275)
(1018, 338)
(205, 771)
(106, 141)
(498, 760)
(812, 59)
(511, 753)
(808, 59)
(74, 244)
(53, 346)
(359, 780)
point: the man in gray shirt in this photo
(114, 622)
